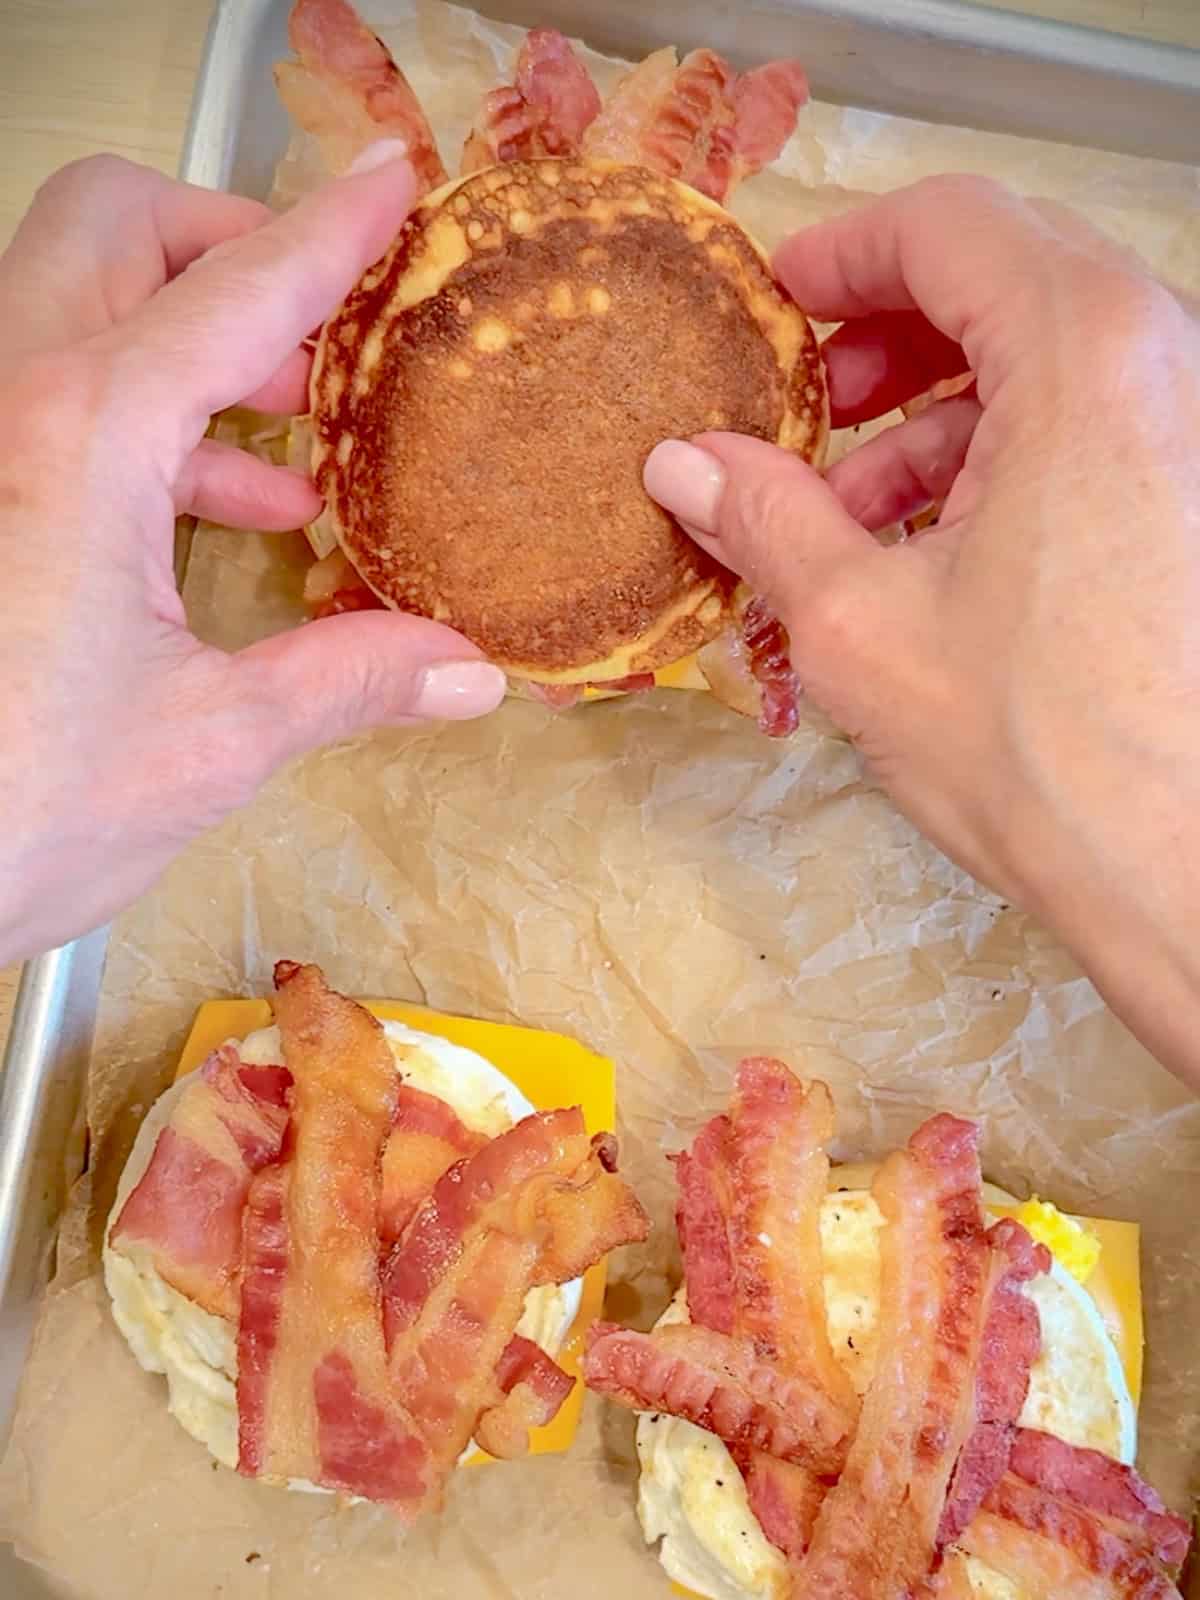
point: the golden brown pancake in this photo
(485, 400)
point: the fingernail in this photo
(455, 690)
(687, 481)
(377, 155)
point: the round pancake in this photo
(486, 398)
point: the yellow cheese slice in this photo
(684, 674)
(549, 1069)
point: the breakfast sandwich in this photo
(358, 1253)
(482, 405)
(877, 1384)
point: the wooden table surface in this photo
(78, 76)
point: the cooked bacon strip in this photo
(487, 1190)
(185, 1214)
(710, 1380)
(558, 696)
(701, 1220)
(748, 667)
(544, 113)
(697, 121)
(785, 1499)
(444, 1366)
(1100, 1484)
(314, 1396)
(675, 118)
(347, 91)
(427, 1137)
(454, 1286)
(767, 653)
(778, 1176)
(584, 1219)
(1052, 1548)
(767, 101)
(1011, 1343)
(535, 1387)
(748, 1217)
(876, 1530)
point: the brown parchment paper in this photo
(655, 877)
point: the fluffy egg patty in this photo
(691, 1496)
(197, 1352)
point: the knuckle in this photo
(828, 618)
(965, 189)
(86, 175)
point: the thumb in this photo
(342, 675)
(773, 520)
(758, 510)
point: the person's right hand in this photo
(1024, 678)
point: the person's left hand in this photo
(134, 308)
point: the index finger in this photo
(957, 249)
(219, 331)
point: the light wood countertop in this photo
(118, 74)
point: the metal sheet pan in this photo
(927, 58)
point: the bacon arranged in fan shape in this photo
(545, 112)
(372, 1251)
(697, 121)
(887, 1499)
(876, 1532)
(346, 90)
(1010, 1344)
(226, 1125)
(719, 1384)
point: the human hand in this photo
(1024, 678)
(134, 308)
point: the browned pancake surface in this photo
(485, 402)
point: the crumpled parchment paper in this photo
(655, 877)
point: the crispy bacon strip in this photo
(558, 696)
(454, 1286)
(185, 1214)
(697, 121)
(778, 1176)
(584, 1219)
(1053, 1548)
(544, 113)
(876, 1530)
(488, 1190)
(314, 1396)
(749, 669)
(750, 1195)
(701, 1220)
(675, 118)
(785, 1499)
(1011, 1343)
(710, 1380)
(535, 1387)
(427, 1137)
(767, 101)
(444, 1366)
(1106, 1487)
(346, 90)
